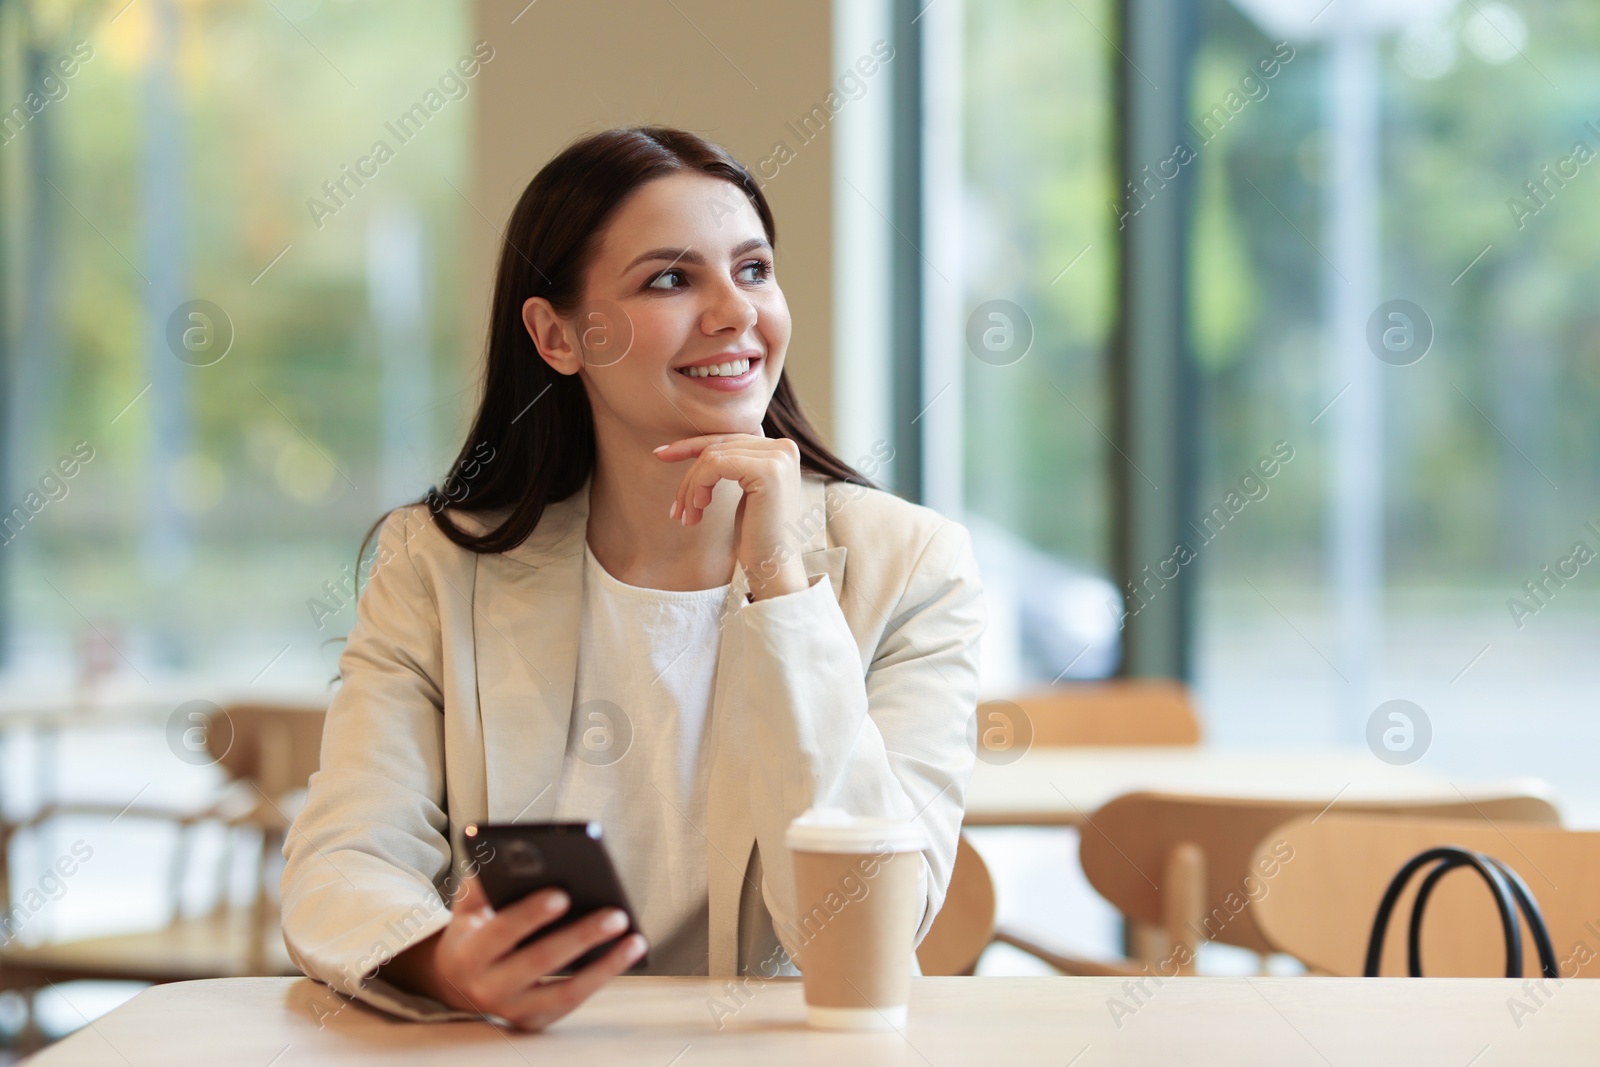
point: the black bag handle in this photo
(1510, 895)
(1519, 892)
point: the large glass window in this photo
(233, 325)
(1391, 273)
(1040, 267)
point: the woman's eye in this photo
(762, 270)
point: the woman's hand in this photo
(474, 964)
(768, 470)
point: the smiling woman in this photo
(661, 536)
(624, 178)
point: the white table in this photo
(46, 719)
(1064, 786)
(668, 1022)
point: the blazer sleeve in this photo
(368, 855)
(890, 741)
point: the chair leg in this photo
(1142, 942)
(1071, 965)
(1182, 904)
(30, 1038)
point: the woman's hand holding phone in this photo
(474, 963)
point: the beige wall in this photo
(735, 73)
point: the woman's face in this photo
(683, 328)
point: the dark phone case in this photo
(515, 859)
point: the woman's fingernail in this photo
(672, 510)
(614, 923)
(636, 946)
(661, 448)
(556, 902)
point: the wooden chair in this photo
(1185, 867)
(1324, 899)
(1122, 711)
(1117, 712)
(965, 925)
(268, 753)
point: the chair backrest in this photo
(965, 925)
(1134, 711)
(1324, 899)
(277, 747)
(1128, 847)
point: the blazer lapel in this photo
(525, 624)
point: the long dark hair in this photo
(536, 421)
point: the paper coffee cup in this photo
(857, 909)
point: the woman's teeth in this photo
(731, 369)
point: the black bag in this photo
(1503, 883)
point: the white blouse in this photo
(636, 751)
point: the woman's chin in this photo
(749, 426)
(727, 418)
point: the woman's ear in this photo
(549, 332)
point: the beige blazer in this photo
(456, 698)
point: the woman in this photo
(648, 595)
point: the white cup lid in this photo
(836, 830)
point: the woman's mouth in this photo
(729, 376)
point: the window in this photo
(1039, 255)
(233, 261)
(1450, 568)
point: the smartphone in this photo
(515, 859)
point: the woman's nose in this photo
(729, 308)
